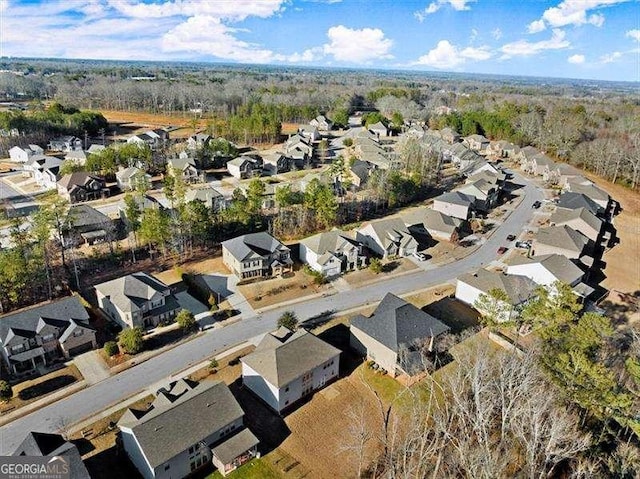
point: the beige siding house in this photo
(256, 255)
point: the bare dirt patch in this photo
(278, 290)
(151, 120)
(229, 368)
(390, 268)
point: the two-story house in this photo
(199, 140)
(85, 224)
(46, 444)
(45, 170)
(396, 336)
(65, 143)
(23, 154)
(245, 166)
(484, 192)
(82, 186)
(322, 123)
(286, 367)
(187, 427)
(40, 334)
(184, 166)
(478, 143)
(387, 237)
(332, 253)
(455, 204)
(256, 255)
(137, 300)
(130, 178)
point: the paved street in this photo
(99, 396)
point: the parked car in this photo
(502, 250)
(511, 237)
(523, 244)
(420, 256)
(536, 205)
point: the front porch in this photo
(28, 360)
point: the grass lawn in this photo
(389, 268)
(255, 469)
(34, 389)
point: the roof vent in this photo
(157, 428)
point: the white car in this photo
(420, 256)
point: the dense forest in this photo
(594, 125)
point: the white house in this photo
(22, 155)
(519, 289)
(286, 367)
(454, 204)
(387, 237)
(331, 253)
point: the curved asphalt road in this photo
(97, 397)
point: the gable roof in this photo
(396, 323)
(182, 418)
(283, 356)
(78, 178)
(206, 195)
(572, 200)
(456, 198)
(563, 215)
(46, 444)
(261, 244)
(84, 215)
(558, 265)
(329, 241)
(26, 322)
(181, 163)
(131, 171)
(562, 237)
(590, 190)
(389, 230)
(518, 288)
(432, 220)
(130, 292)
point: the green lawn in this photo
(254, 469)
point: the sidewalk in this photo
(40, 403)
(152, 389)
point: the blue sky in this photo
(598, 39)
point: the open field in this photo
(151, 120)
(209, 265)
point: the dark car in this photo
(502, 250)
(536, 205)
(511, 237)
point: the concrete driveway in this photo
(92, 367)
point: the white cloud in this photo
(496, 34)
(576, 59)
(434, 6)
(525, 48)
(633, 34)
(611, 57)
(572, 12)
(448, 56)
(235, 10)
(536, 26)
(474, 35)
(205, 34)
(357, 46)
(4, 4)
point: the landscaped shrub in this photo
(111, 348)
(131, 340)
(6, 392)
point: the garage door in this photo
(83, 348)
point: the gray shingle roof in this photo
(396, 323)
(590, 190)
(206, 195)
(456, 198)
(331, 241)
(572, 200)
(189, 416)
(562, 237)
(259, 243)
(235, 446)
(45, 444)
(559, 266)
(130, 292)
(80, 178)
(281, 359)
(85, 215)
(518, 288)
(563, 215)
(30, 320)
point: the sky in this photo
(590, 39)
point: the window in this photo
(166, 468)
(286, 389)
(192, 449)
(47, 337)
(78, 332)
(17, 348)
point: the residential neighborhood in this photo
(181, 296)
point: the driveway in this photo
(92, 367)
(97, 397)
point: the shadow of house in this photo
(455, 314)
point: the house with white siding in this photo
(455, 204)
(288, 366)
(332, 253)
(387, 237)
(23, 154)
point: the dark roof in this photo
(235, 446)
(79, 178)
(186, 416)
(45, 444)
(395, 323)
(572, 201)
(85, 215)
(283, 356)
(456, 198)
(132, 291)
(58, 313)
(259, 243)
